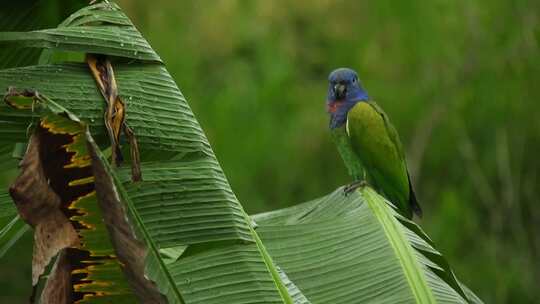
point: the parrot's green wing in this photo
(394, 137)
(390, 130)
(376, 143)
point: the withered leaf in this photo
(55, 193)
(57, 290)
(115, 113)
(130, 251)
(40, 206)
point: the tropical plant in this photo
(127, 200)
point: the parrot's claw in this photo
(353, 186)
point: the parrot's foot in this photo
(353, 186)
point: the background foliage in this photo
(458, 79)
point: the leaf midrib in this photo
(403, 250)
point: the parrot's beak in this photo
(340, 90)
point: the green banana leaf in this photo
(26, 15)
(358, 249)
(12, 227)
(199, 245)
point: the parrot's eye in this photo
(353, 80)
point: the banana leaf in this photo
(358, 249)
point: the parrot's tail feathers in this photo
(413, 203)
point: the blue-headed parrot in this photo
(368, 143)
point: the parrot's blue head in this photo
(344, 91)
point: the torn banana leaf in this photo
(55, 194)
(221, 259)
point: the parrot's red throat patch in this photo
(333, 106)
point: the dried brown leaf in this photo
(115, 114)
(58, 289)
(39, 206)
(130, 251)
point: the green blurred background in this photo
(459, 79)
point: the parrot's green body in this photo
(376, 143)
